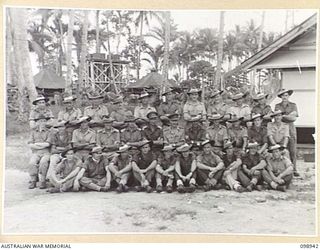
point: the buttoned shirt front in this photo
(169, 108)
(144, 160)
(251, 160)
(287, 109)
(37, 112)
(243, 111)
(108, 137)
(217, 108)
(141, 112)
(71, 115)
(186, 163)
(121, 162)
(192, 109)
(278, 131)
(120, 115)
(172, 135)
(210, 160)
(278, 166)
(96, 113)
(218, 134)
(130, 135)
(237, 134)
(59, 139)
(89, 136)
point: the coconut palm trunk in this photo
(166, 49)
(220, 51)
(261, 31)
(140, 44)
(68, 89)
(98, 43)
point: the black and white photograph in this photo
(160, 121)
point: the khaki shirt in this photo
(121, 162)
(169, 108)
(152, 133)
(95, 169)
(173, 135)
(64, 168)
(192, 109)
(287, 109)
(243, 111)
(120, 115)
(219, 134)
(220, 108)
(96, 113)
(278, 166)
(128, 135)
(88, 137)
(278, 132)
(210, 160)
(73, 115)
(258, 134)
(237, 135)
(141, 112)
(37, 136)
(59, 139)
(108, 138)
(36, 113)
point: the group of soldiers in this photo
(172, 146)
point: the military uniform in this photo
(36, 113)
(195, 132)
(193, 109)
(143, 161)
(217, 108)
(173, 135)
(250, 161)
(185, 167)
(39, 161)
(230, 177)
(87, 137)
(287, 109)
(238, 134)
(71, 115)
(243, 111)
(95, 173)
(130, 135)
(141, 111)
(263, 110)
(278, 132)
(173, 107)
(119, 163)
(108, 138)
(165, 163)
(96, 113)
(120, 115)
(258, 134)
(62, 170)
(217, 134)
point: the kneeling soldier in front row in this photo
(120, 169)
(93, 175)
(144, 167)
(252, 166)
(186, 167)
(209, 166)
(279, 171)
(64, 175)
(165, 168)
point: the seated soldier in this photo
(40, 147)
(120, 169)
(83, 138)
(252, 165)
(232, 163)
(279, 170)
(171, 105)
(93, 174)
(174, 134)
(64, 175)
(165, 168)
(209, 167)
(144, 167)
(60, 140)
(120, 113)
(108, 137)
(97, 109)
(278, 131)
(186, 167)
(216, 104)
(261, 107)
(195, 132)
(144, 108)
(238, 134)
(40, 109)
(131, 134)
(216, 131)
(258, 133)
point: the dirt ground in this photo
(227, 212)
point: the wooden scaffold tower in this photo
(104, 75)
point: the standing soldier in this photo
(144, 167)
(108, 137)
(216, 131)
(165, 168)
(97, 109)
(93, 175)
(278, 131)
(251, 169)
(186, 167)
(120, 169)
(174, 134)
(131, 134)
(145, 107)
(60, 141)
(261, 107)
(232, 163)
(120, 113)
(240, 109)
(279, 170)
(64, 175)
(209, 166)
(171, 105)
(195, 132)
(290, 115)
(216, 105)
(40, 110)
(258, 133)
(238, 134)
(83, 138)
(40, 147)
(193, 108)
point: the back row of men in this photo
(216, 127)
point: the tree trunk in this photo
(220, 52)
(83, 54)
(68, 89)
(261, 31)
(98, 44)
(166, 50)
(60, 48)
(139, 46)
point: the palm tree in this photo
(155, 56)
(207, 42)
(159, 33)
(97, 31)
(68, 88)
(220, 51)
(251, 37)
(261, 30)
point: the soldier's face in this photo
(124, 154)
(167, 154)
(97, 155)
(145, 100)
(174, 123)
(194, 96)
(153, 120)
(145, 149)
(285, 97)
(229, 151)
(239, 102)
(69, 105)
(257, 122)
(278, 118)
(84, 125)
(69, 155)
(169, 96)
(205, 123)
(253, 150)
(207, 148)
(185, 154)
(41, 104)
(61, 129)
(276, 154)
